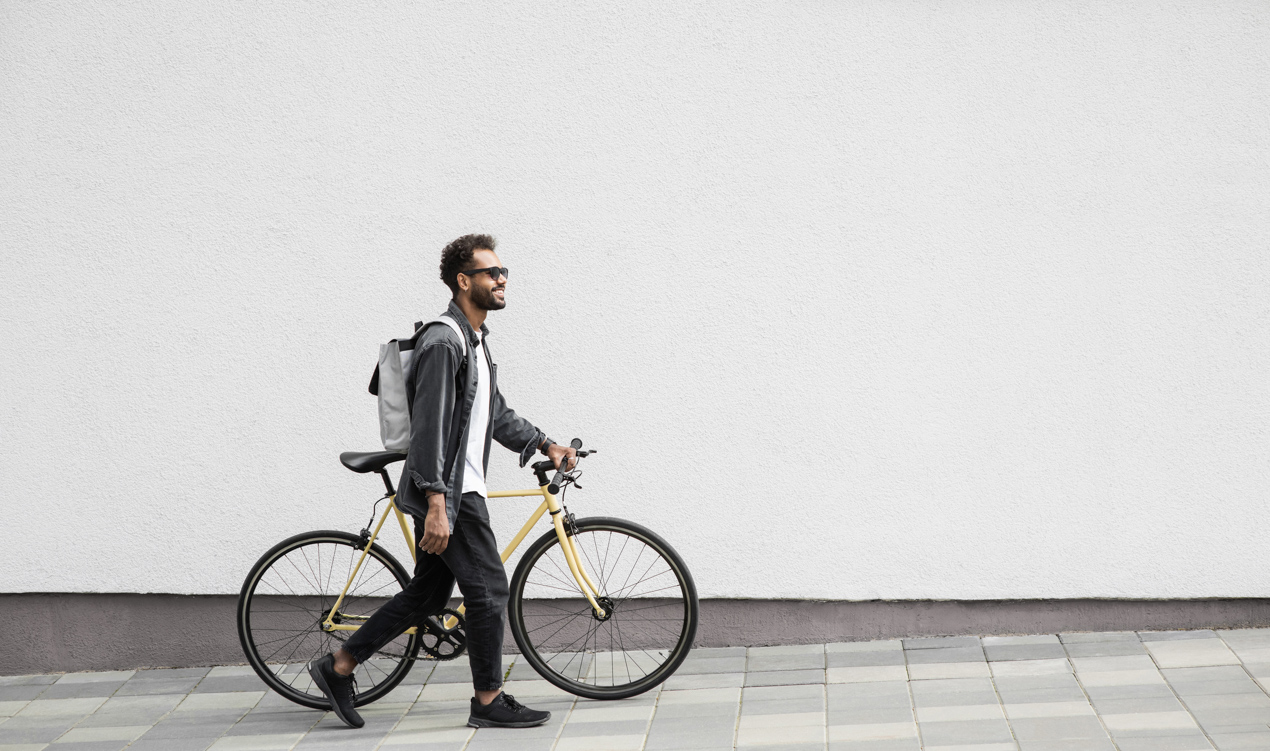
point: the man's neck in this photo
(475, 316)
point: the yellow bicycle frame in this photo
(549, 504)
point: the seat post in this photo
(387, 483)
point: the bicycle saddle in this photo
(369, 461)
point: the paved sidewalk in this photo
(1148, 691)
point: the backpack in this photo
(391, 383)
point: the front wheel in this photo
(649, 596)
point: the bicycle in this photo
(602, 608)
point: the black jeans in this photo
(472, 559)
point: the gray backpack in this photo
(390, 384)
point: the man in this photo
(456, 410)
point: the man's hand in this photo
(556, 453)
(436, 526)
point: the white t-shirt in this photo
(474, 473)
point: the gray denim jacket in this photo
(444, 383)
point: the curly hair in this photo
(458, 255)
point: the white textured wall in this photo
(858, 300)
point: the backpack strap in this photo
(448, 321)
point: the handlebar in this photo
(543, 467)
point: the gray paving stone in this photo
(1058, 728)
(965, 732)
(29, 680)
(121, 711)
(1038, 695)
(759, 661)
(904, 744)
(775, 693)
(870, 715)
(735, 664)
(1105, 649)
(1141, 691)
(171, 744)
(1006, 683)
(1176, 635)
(939, 654)
(589, 729)
(704, 680)
(781, 706)
(224, 684)
(91, 746)
(785, 678)
(299, 720)
(1177, 742)
(1232, 720)
(22, 691)
(1260, 741)
(452, 671)
(479, 743)
(1080, 744)
(1137, 705)
(941, 642)
(1006, 652)
(685, 732)
(81, 690)
(953, 692)
(1098, 636)
(136, 687)
(865, 659)
(716, 652)
(714, 712)
(19, 730)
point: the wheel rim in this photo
(289, 597)
(649, 626)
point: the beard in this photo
(483, 298)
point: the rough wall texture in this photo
(859, 300)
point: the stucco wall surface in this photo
(857, 300)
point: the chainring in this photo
(439, 642)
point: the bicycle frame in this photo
(550, 504)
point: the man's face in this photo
(486, 292)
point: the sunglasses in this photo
(494, 272)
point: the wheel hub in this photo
(605, 603)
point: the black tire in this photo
(561, 638)
(288, 593)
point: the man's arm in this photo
(519, 435)
(431, 415)
(432, 412)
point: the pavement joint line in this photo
(1178, 696)
(992, 679)
(740, 700)
(912, 702)
(648, 726)
(1085, 692)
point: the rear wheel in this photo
(649, 596)
(289, 593)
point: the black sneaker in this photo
(505, 712)
(338, 689)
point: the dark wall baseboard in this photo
(74, 632)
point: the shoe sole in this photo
(325, 687)
(477, 722)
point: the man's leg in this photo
(473, 556)
(426, 593)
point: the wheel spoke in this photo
(291, 592)
(651, 611)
